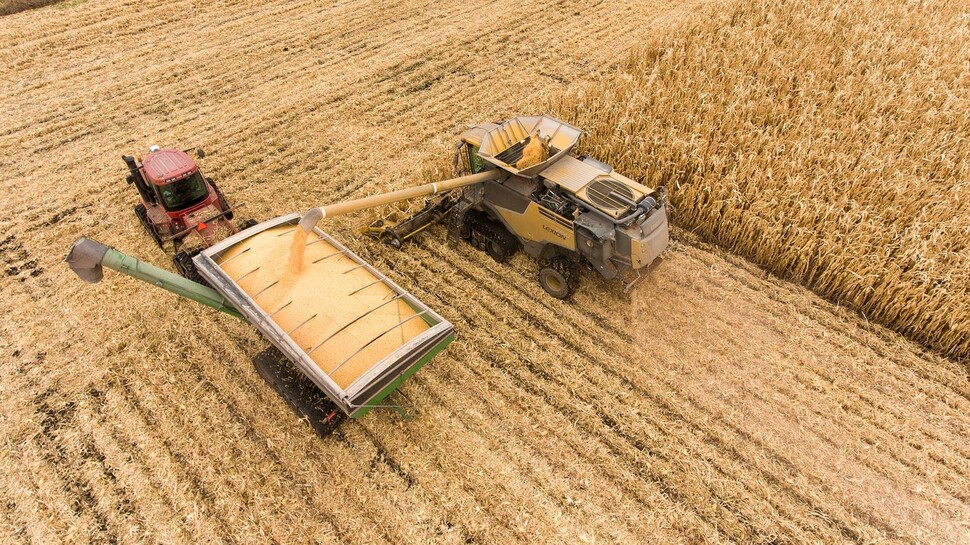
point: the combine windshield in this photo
(183, 193)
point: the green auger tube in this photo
(88, 257)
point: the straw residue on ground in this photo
(716, 404)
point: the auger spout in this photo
(314, 215)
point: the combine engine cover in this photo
(623, 224)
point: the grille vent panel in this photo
(599, 191)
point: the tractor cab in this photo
(175, 179)
(172, 187)
(180, 207)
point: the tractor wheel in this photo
(185, 267)
(223, 203)
(247, 224)
(142, 214)
(559, 277)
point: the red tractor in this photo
(180, 206)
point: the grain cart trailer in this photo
(356, 343)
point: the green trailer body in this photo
(87, 258)
(382, 377)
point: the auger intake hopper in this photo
(353, 332)
(503, 146)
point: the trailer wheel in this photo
(142, 215)
(329, 423)
(185, 267)
(304, 398)
(247, 224)
(559, 277)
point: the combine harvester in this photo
(355, 334)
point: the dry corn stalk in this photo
(828, 142)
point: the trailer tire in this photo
(304, 398)
(329, 424)
(186, 268)
(559, 277)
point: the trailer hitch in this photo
(188, 230)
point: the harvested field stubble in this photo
(9, 7)
(713, 404)
(827, 141)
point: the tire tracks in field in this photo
(498, 519)
(21, 527)
(818, 380)
(247, 422)
(669, 489)
(670, 411)
(859, 417)
(574, 444)
(54, 455)
(164, 458)
(791, 375)
(163, 417)
(431, 386)
(674, 415)
(88, 450)
(862, 420)
(780, 294)
(409, 478)
(819, 483)
(381, 452)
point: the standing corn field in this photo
(828, 142)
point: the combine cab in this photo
(181, 209)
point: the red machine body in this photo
(179, 205)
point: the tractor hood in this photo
(167, 165)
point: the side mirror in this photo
(200, 153)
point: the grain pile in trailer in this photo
(333, 307)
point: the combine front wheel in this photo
(559, 277)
